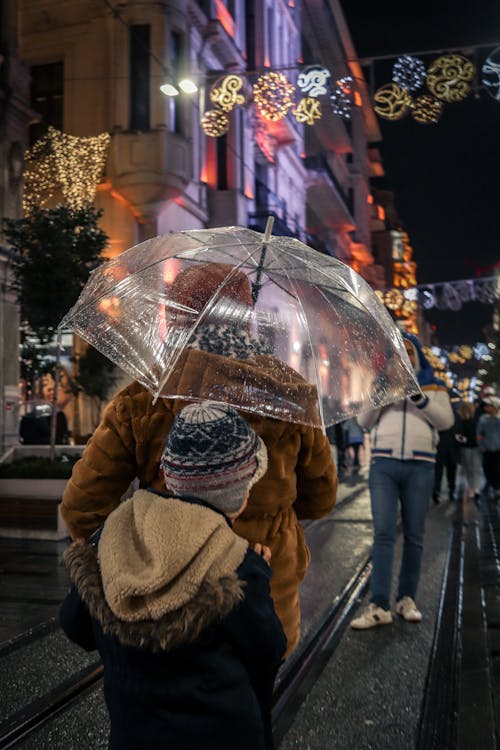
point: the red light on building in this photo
(225, 18)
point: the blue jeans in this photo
(411, 482)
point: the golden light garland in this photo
(215, 123)
(426, 110)
(392, 102)
(226, 95)
(449, 77)
(64, 163)
(273, 96)
(393, 299)
(308, 110)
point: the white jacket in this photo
(408, 429)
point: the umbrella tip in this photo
(269, 228)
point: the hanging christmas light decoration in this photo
(409, 73)
(215, 123)
(273, 96)
(313, 81)
(343, 98)
(426, 110)
(449, 77)
(307, 111)
(227, 95)
(392, 102)
(490, 74)
(393, 299)
(64, 163)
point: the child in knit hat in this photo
(177, 604)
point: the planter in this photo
(29, 508)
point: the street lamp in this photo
(186, 85)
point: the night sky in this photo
(446, 177)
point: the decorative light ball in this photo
(226, 95)
(409, 72)
(273, 96)
(342, 99)
(393, 299)
(449, 77)
(313, 80)
(409, 307)
(392, 102)
(490, 74)
(426, 110)
(215, 123)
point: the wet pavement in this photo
(370, 692)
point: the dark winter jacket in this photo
(191, 657)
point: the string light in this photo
(226, 95)
(490, 74)
(273, 96)
(342, 99)
(409, 72)
(307, 111)
(215, 123)
(64, 163)
(313, 81)
(426, 109)
(392, 102)
(449, 77)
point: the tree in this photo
(55, 251)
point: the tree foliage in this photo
(56, 249)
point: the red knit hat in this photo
(196, 285)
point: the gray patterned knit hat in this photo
(213, 454)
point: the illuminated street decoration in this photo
(67, 164)
(226, 95)
(449, 77)
(426, 110)
(392, 102)
(393, 299)
(313, 81)
(409, 73)
(307, 111)
(342, 99)
(490, 74)
(273, 96)
(215, 123)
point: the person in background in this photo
(354, 440)
(470, 456)
(488, 438)
(177, 604)
(403, 449)
(301, 479)
(447, 457)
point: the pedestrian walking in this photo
(354, 439)
(403, 449)
(488, 438)
(177, 604)
(447, 459)
(300, 481)
(470, 455)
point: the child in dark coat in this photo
(177, 604)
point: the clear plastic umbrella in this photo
(285, 331)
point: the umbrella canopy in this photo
(264, 323)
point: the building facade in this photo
(96, 66)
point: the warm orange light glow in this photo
(370, 199)
(381, 213)
(110, 306)
(204, 173)
(267, 62)
(120, 198)
(225, 18)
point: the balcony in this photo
(268, 204)
(326, 196)
(149, 168)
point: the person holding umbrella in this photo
(301, 480)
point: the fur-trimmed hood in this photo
(163, 571)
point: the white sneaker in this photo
(371, 617)
(407, 608)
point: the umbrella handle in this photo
(267, 236)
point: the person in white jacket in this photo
(404, 437)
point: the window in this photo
(139, 37)
(177, 105)
(47, 97)
(222, 162)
